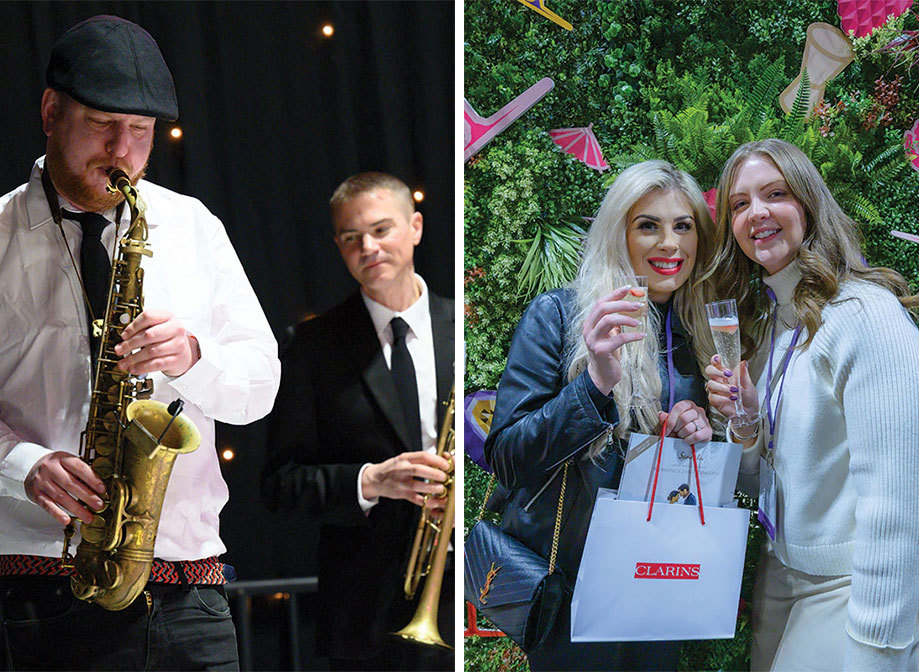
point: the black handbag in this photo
(513, 586)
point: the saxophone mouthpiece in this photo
(118, 180)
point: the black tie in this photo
(95, 265)
(403, 375)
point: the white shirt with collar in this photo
(420, 343)
(45, 376)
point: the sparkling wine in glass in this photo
(725, 326)
(637, 293)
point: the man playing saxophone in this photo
(201, 338)
(353, 433)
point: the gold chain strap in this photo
(491, 485)
(558, 519)
(558, 515)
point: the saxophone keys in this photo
(111, 422)
(94, 532)
(112, 574)
(103, 466)
(104, 446)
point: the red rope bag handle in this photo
(657, 470)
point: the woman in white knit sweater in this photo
(836, 449)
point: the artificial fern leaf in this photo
(795, 119)
(765, 90)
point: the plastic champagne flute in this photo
(725, 326)
(637, 293)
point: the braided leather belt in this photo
(208, 571)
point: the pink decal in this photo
(539, 6)
(711, 198)
(582, 143)
(479, 131)
(863, 16)
(905, 236)
(911, 144)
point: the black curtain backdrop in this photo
(274, 116)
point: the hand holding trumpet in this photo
(402, 477)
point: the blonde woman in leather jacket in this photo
(566, 393)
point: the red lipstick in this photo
(663, 260)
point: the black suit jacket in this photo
(336, 410)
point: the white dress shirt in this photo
(45, 376)
(420, 343)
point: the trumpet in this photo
(429, 550)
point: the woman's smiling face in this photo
(767, 221)
(662, 239)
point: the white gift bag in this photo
(664, 579)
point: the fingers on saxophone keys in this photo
(61, 505)
(52, 509)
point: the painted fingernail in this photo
(716, 359)
(733, 398)
(734, 389)
(727, 374)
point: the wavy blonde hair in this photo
(606, 262)
(830, 253)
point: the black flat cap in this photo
(113, 65)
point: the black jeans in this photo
(179, 628)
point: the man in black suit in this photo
(353, 431)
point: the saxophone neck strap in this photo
(55, 207)
(54, 203)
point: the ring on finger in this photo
(695, 427)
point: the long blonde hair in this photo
(606, 261)
(830, 253)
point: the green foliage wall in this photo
(624, 62)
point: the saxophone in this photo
(130, 441)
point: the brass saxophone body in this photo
(428, 556)
(130, 441)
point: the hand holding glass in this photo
(725, 326)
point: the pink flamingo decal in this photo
(479, 131)
(911, 144)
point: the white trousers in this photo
(799, 620)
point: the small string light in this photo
(418, 195)
(176, 132)
(228, 454)
(328, 30)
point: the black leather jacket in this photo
(541, 420)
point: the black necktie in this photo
(403, 374)
(95, 265)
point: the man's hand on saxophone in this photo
(398, 478)
(63, 485)
(161, 344)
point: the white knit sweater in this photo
(847, 461)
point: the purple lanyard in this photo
(787, 358)
(669, 354)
